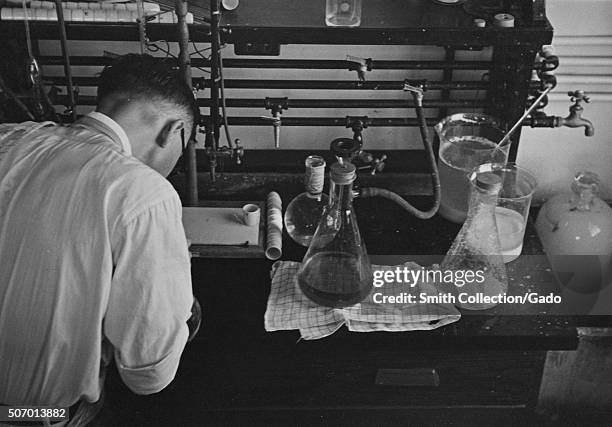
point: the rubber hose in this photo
(435, 178)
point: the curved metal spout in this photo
(575, 120)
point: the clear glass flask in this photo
(476, 248)
(304, 211)
(336, 271)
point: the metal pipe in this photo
(348, 103)
(214, 72)
(340, 84)
(305, 84)
(313, 84)
(185, 67)
(66, 58)
(449, 56)
(534, 122)
(324, 121)
(305, 64)
(321, 103)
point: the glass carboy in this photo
(576, 232)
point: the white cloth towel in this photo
(288, 308)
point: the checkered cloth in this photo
(288, 308)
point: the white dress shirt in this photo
(93, 262)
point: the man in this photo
(93, 256)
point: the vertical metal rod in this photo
(185, 67)
(214, 71)
(66, 56)
(447, 77)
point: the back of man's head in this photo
(156, 81)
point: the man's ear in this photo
(170, 129)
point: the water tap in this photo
(276, 106)
(375, 165)
(357, 125)
(238, 151)
(214, 152)
(575, 119)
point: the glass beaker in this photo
(343, 13)
(512, 210)
(336, 271)
(467, 140)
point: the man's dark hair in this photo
(145, 77)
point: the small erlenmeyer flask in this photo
(475, 256)
(336, 271)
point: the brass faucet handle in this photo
(578, 96)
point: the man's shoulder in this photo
(8, 130)
(141, 178)
(142, 188)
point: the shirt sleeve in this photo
(151, 297)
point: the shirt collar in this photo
(115, 127)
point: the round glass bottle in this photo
(576, 233)
(304, 211)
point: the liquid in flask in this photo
(336, 271)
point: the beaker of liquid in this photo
(343, 13)
(513, 203)
(467, 140)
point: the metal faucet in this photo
(213, 153)
(276, 106)
(575, 119)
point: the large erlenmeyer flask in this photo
(336, 271)
(476, 249)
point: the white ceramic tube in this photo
(274, 227)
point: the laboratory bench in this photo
(485, 368)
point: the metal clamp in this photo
(361, 66)
(357, 124)
(416, 88)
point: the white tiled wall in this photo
(583, 42)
